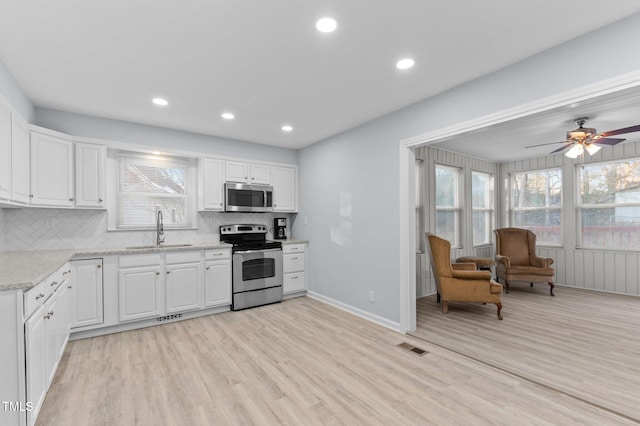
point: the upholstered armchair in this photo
(516, 258)
(460, 282)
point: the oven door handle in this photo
(256, 251)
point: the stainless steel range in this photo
(256, 266)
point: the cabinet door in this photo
(5, 151)
(212, 184)
(139, 293)
(51, 337)
(35, 356)
(260, 174)
(86, 294)
(217, 283)
(90, 164)
(285, 193)
(293, 282)
(20, 165)
(237, 171)
(64, 314)
(51, 170)
(184, 287)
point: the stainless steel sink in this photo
(162, 246)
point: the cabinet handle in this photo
(220, 204)
(100, 200)
(168, 272)
(40, 296)
(294, 258)
(207, 268)
(295, 277)
(69, 287)
(99, 266)
(50, 313)
(70, 199)
(157, 273)
(65, 273)
(246, 177)
(54, 283)
(47, 316)
(30, 195)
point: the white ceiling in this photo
(264, 60)
(509, 141)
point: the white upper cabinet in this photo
(285, 190)
(51, 170)
(211, 184)
(5, 151)
(20, 170)
(238, 171)
(90, 175)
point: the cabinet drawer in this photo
(293, 282)
(293, 262)
(217, 254)
(34, 298)
(183, 257)
(292, 248)
(133, 260)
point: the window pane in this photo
(446, 225)
(141, 211)
(610, 183)
(152, 179)
(482, 227)
(482, 190)
(446, 186)
(544, 223)
(537, 189)
(611, 228)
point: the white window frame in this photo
(580, 207)
(456, 208)
(490, 210)
(114, 177)
(560, 208)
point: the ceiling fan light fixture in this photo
(592, 148)
(575, 151)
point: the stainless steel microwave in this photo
(242, 197)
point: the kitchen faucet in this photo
(159, 228)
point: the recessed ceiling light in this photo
(287, 128)
(228, 116)
(405, 63)
(160, 101)
(326, 25)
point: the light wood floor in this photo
(300, 362)
(586, 344)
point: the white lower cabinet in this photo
(217, 283)
(139, 293)
(87, 295)
(183, 281)
(46, 336)
(293, 268)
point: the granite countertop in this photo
(25, 269)
(294, 241)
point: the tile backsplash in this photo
(47, 229)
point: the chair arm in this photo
(540, 262)
(504, 260)
(464, 266)
(471, 275)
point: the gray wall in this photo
(123, 131)
(364, 162)
(12, 91)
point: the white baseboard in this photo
(355, 311)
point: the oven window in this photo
(245, 198)
(256, 269)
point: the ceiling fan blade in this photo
(543, 144)
(631, 129)
(608, 141)
(561, 149)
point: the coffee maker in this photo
(280, 228)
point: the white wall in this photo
(610, 271)
(364, 162)
(123, 131)
(12, 91)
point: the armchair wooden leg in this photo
(445, 307)
(530, 284)
(551, 290)
(437, 297)
(499, 305)
(506, 286)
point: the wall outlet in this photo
(49, 222)
(372, 296)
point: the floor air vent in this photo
(409, 347)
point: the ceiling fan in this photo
(588, 139)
